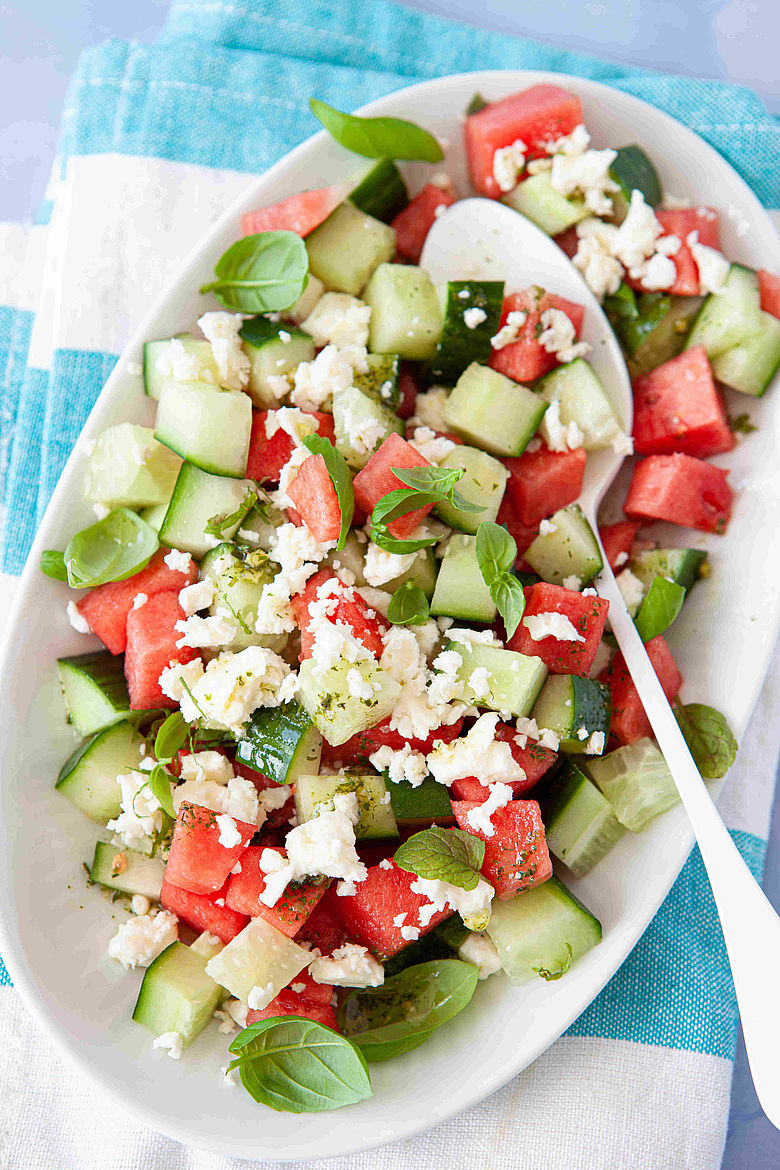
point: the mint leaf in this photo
(261, 273)
(660, 607)
(445, 855)
(224, 524)
(171, 736)
(110, 550)
(408, 606)
(53, 564)
(378, 137)
(496, 553)
(340, 477)
(159, 782)
(709, 738)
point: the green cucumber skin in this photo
(176, 994)
(102, 674)
(141, 874)
(683, 566)
(381, 191)
(580, 826)
(273, 740)
(98, 796)
(569, 702)
(460, 346)
(427, 804)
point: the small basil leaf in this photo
(429, 479)
(171, 736)
(408, 606)
(295, 1065)
(496, 551)
(507, 592)
(445, 855)
(378, 137)
(53, 564)
(261, 273)
(399, 1016)
(110, 550)
(340, 477)
(385, 540)
(709, 738)
(159, 782)
(476, 104)
(224, 523)
(660, 607)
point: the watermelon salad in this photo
(351, 717)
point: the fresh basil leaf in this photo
(444, 855)
(224, 523)
(660, 607)
(401, 1014)
(378, 137)
(709, 738)
(507, 592)
(476, 104)
(399, 502)
(171, 736)
(496, 551)
(408, 606)
(385, 540)
(621, 305)
(261, 273)
(53, 564)
(295, 1065)
(110, 550)
(426, 486)
(340, 477)
(439, 481)
(159, 782)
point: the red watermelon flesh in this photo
(408, 389)
(681, 222)
(288, 1003)
(351, 610)
(267, 456)
(315, 499)
(324, 928)
(541, 482)
(357, 749)
(618, 540)
(534, 759)
(369, 913)
(197, 861)
(769, 287)
(412, 225)
(106, 607)
(292, 909)
(299, 213)
(151, 647)
(522, 534)
(377, 478)
(203, 911)
(629, 722)
(587, 614)
(677, 407)
(568, 241)
(526, 359)
(536, 116)
(516, 856)
(682, 490)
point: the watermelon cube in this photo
(677, 407)
(267, 456)
(292, 909)
(408, 390)
(298, 213)
(382, 907)
(681, 222)
(412, 225)
(541, 482)
(291, 1003)
(534, 759)
(106, 607)
(516, 856)
(198, 860)
(629, 722)
(315, 499)
(587, 614)
(522, 534)
(682, 490)
(203, 911)
(536, 116)
(151, 647)
(357, 749)
(526, 359)
(351, 610)
(324, 928)
(618, 540)
(769, 287)
(377, 478)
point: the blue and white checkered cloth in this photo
(156, 141)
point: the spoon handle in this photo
(751, 926)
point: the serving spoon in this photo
(479, 239)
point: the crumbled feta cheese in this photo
(77, 620)
(212, 631)
(377, 599)
(558, 336)
(572, 582)
(472, 905)
(325, 846)
(140, 940)
(431, 446)
(478, 949)
(546, 528)
(712, 265)
(585, 173)
(400, 764)
(362, 434)
(237, 1011)
(478, 753)
(499, 796)
(621, 559)
(139, 904)
(100, 511)
(632, 589)
(656, 273)
(429, 409)
(297, 553)
(474, 317)
(472, 637)
(332, 369)
(359, 687)
(172, 1042)
(238, 798)
(381, 567)
(635, 239)
(582, 733)
(221, 329)
(548, 739)
(178, 562)
(479, 683)
(348, 966)
(225, 1022)
(207, 765)
(385, 863)
(229, 835)
(196, 597)
(425, 700)
(230, 689)
(141, 815)
(260, 997)
(557, 435)
(595, 745)
(572, 145)
(410, 933)
(274, 798)
(510, 330)
(338, 319)
(602, 271)
(177, 362)
(622, 444)
(294, 422)
(551, 625)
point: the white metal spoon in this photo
(481, 239)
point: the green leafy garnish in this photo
(496, 553)
(710, 739)
(621, 305)
(171, 736)
(110, 550)
(225, 523)
(408, 606)
(378, 137)
(742, 425)
(340, 477)
(159, 782)
(295, 1065)
(261, 273)
(443, 855)
(386, 1021)
(660, 607)
(476, 104)
(425, 486)
(53, 564)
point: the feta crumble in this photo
(338, 319)
(472, 905)
(400, 764)
(479, 818)
(229, 835)
(508, 162)
(474, 317)
(381, 567)
(178, 562)
(348, 966)
(478, 949)
(332, 369)
(712, 265)
(141, 939)
(551, 625)
(221, 329)
(206, 765)
(77, 620)
(478, 753)
(431, 446)
(196, 597)
(171, 1042)
(572, 582)
(510, 330)
(230, 689)
(558, 336)
(560, 436)
(632, 589)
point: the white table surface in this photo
(734, 40)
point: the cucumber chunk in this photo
(160, 362)
(127, 870)
(94, 690)
(514, 680)
(380, 381)
(570, 550)
(460, 590)
(155, 516)
(537, 200)
(334, 709)
(465, 339)
(258, 528)
(281, 742)
(579, 823)
(750, 366)
(89, 777)
(259, 957)
(427, 804)
(272, 349)
(637, 783)
(376, 815)
(484, 483)
(576, 709)
(177, 995)
(541, 932)
(657, 331)
(730, 317)
(361, 425)
(197, 499)
(492, 412)
(405, 314)
(347, 248)
(582, 400)
(128, 468)
(381, 191)
(683, 566)
(207, 426)
(239, 573)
